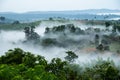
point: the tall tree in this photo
(107, 24)
(71, 56)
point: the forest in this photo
(17, 64)
(59, 39)
(59, 49)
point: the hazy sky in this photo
(56, 5)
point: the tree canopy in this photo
(20, 65)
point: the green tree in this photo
(112, 73)
(40, 60)
(7, 72)
(47, 30)
(97, 40)
(57, 67)
(12, 56)
(107, 24)
(100, 47)
(71, 56)
(29, 59)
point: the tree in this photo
(96, 40)
(31, 35)
(41, 60)
(57, 67)
(27, 32)
(49, 42)
(32, 29)
(50, 18)
(100, 47)
(72, 29)
(2, 18)
(13, 57)
(71, 56)
(47, 30)
(114, 29)
(112, 73)
(107, 24)
(16, 22)
(29, 59)
(8, 72)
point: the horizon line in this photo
(54, 10)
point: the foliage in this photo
(71, 56)
(107, 24)
(20, 65)
(57, 68)
(116, 27)
(12, 57)
(66, 29)
(100, 71)
(30, 34)
(49, 42)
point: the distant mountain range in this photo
(75, 14)
(88, 11)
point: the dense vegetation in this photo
(20, 65)
(65, 29)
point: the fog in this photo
(13, 39)
(41, 28)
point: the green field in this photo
(19, 26)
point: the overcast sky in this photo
(56, 5)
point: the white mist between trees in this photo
(13, 39)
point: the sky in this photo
(56, 5)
